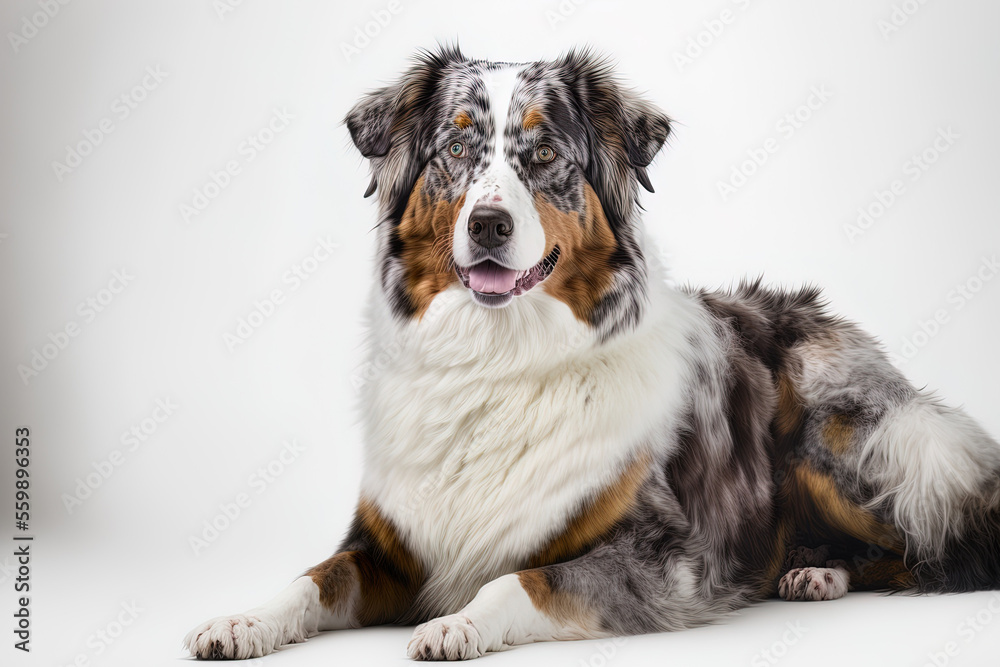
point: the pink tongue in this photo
(491, 278)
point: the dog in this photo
(561, 446)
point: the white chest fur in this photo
(486, 429)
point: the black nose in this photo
(490, 226)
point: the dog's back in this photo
(902, 488)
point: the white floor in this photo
(862, 629)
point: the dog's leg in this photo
(807, 557)
(607, 592)
(886, 573)
(812, 576)
(514, 609)
(370, 582)
(292, 616)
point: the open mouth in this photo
(493, 285)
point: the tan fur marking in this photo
(888, 572)
(781, 545)
(789, 414)
(426, 230)
(384, 596)
(386, 537)
(787, 420)
(821, 504)
(462, 120)
(582, 274)
(597, 518)
(336, 578)
(838, 433)
(388, 576)
(560, 607)
(532, 118)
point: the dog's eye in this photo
(545, 154)
(457, 149)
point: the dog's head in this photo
(515, 181)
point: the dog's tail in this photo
(939, 471)
(970, 559)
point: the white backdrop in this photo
(167, 166)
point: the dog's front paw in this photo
(234, 637)
(814, 583)
(447, 638)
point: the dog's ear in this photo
(392, 126)
(646, 130)
(370, 124)
(370, 120)
(625, 131)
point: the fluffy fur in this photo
(586, 451)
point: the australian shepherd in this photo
(558, 445)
